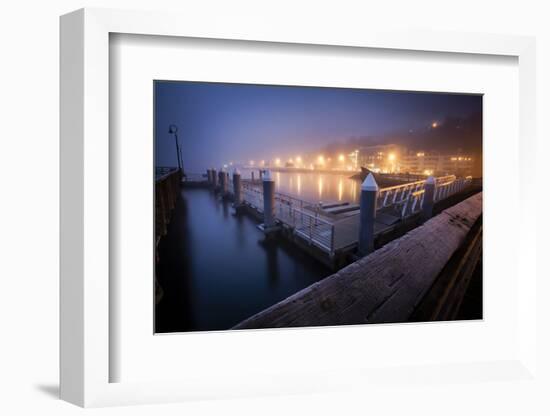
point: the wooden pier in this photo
(400, 282)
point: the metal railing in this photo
(299, 215)
(308, 224)
(446, 187)
(252, 195)
(399, 194)
(407, 199)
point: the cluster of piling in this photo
(219, 181)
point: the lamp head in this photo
(172, 129)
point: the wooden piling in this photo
(269, 200)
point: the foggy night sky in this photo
(218, 123)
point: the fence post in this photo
(428, 203)
(252, 173)
(208, 176)
(367, 215)
(237, 190)
(214, 178)
(261, 175)
(269, 200)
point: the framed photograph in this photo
(299, 195)
(243, 213)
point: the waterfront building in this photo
(380, 158)
(430, 163)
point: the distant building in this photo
(436, 164)
(380, 158)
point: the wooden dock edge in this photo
(387, 285)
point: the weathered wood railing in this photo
(385, 286)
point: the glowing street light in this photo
(277, 162)
(391, 157)
(321, 160)
(434, 124)
(341, 158)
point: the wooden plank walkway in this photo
(385, 286)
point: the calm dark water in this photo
(216, 269)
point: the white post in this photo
(429, 194)
(367, 215)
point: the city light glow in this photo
(341, 158)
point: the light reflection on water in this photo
(314, 187)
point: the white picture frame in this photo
(85, 264)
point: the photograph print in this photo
(289, 206)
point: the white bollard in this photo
(367, 215)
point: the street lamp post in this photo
(173, 129)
